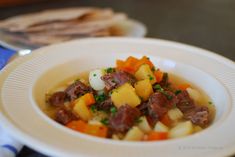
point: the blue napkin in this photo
(5, 55)
(9, 147)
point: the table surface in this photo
(209, 24)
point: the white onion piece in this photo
(194, 94)
(95, 79)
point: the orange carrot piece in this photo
(120, 64)
(158, 75)
(96, 130)
(166, 120)
(143, 60)
(147, 61)
(184, 86)
(77, 125)
(89, 99)
(131, 61)
(155, 136)
(132, 64)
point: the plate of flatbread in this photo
(59, 25)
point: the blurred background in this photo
(208, 24)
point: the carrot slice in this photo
(96, 130)
(166, 120)
(143, 60)
(89, 99)
(184, 86)
(132, 64)
(158, 75)
(155, 136)
(120, 64)
(77, 125)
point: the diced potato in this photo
(82, 110)
(95, 79)
(197, 128)
(94, 122)
(134, 134)
(144, 125)
(125, 94)
(144, 89)
(144, 72)
(194, 94)
(181, 130)
(175, 114)
(160, 127)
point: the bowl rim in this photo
(10, 67)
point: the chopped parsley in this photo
(105, 121)
(110, 70)
(158, 87)
(93, 108)
(178, 92)
(100, 98)
(150, 77)
(113, 110)
(209, 102)
(169, 97)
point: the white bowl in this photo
(24, 84)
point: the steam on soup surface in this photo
(131, 101)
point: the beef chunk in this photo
(124, 119)
(159, 103)
(116, 79)
(64, 116)
(105, 105)
(198, 115)
(143, 108)
(185, 103)
(77, 89)
(57, 99)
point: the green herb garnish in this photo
(94, 75)
(100, 98)
(93, 108)
(150, 77)
(178, 92)
(105, 121)
(113, 110)
(209, 102)
(158, 87)
(169, 97)
(110, 70)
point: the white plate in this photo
(24, 78)
(132, 28)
